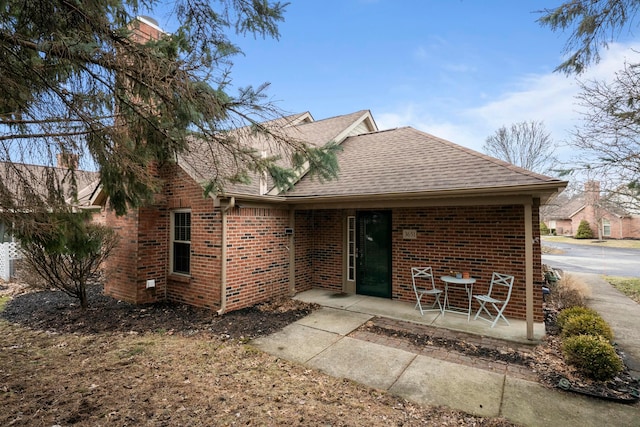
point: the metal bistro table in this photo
(456, 282)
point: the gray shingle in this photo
(406, 160)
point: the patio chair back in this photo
(498, 297)
(424, 284)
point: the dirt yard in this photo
(170, 365)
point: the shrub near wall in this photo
(587, 344)
(593, 355)
(587, 324)
(584, 230)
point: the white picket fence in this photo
(8, 252)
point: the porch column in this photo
(528, 254)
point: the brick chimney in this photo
(592, 192)
(145, 29)
(67, 161)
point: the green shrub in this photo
(593, 356)
(567, 313)
(544, 230)
(584, 230)
(587, 324)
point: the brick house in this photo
(609, 215)
(402, 198)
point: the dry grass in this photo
(630, 286)
(569, 292)
(164, 379)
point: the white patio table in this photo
(458, 282)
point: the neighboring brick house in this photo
(609, 215)
(402, 198)
(25, 188)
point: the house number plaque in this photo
(409, 234)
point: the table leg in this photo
(446, 298)
(469, 295)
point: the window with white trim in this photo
(351, 248)
(181, 242)
(606, 227)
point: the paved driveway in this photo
(594, 259)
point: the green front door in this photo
(373, 275)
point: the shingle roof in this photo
(406, 160)
(19, 179)
(567, 207)
(563, 207)
(203, 159)
(320, 132)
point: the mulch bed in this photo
(545, 360)
(57, 312)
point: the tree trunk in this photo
(83, 297)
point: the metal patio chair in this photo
(425, 274)
(498, 298)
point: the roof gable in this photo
(202, 161)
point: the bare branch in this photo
(524, 144)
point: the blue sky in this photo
(458, 69)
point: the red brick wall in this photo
(143, 252)
(631, 227)
(304, 233)
(202, 287)
(478, 239)
(564, 227)
(586, 213)
(121, 266)
(257, 255)
(621, 228)
(328, 250)
(319, 249)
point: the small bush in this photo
(567, 313)
(544, 230)
(593, 356)
(584, 230)
(586, 324)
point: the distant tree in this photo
(584, 230)
(593, 24)
(608, 137)
(66, 251)
(524, 144)
(610, 132)
(77, 78)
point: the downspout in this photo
(223, 256)
(292, 253)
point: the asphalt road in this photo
(594, 259)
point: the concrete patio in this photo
(400, 310)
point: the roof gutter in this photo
(526, 190)
(223, 267)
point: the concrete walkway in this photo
(321, 341)
(621, 313)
